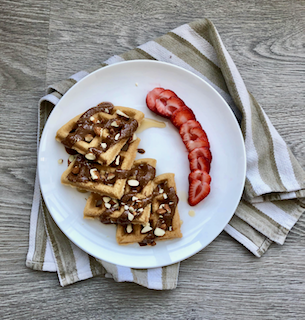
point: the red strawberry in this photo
(151, 98)
(194, 134)
(182, 115)
(199, 186)
(167, 107)
(200, 152)
(200, 163)
(187, 126)
(166, 94)
(202, 176)
(193, 144)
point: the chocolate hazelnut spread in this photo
(86, 128)
(81, 172)
(143, 173)
(165, 219)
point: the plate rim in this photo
(223, 225)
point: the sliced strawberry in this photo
(200, 163)
(166, 94)
(182, 115)
(198, 190)
(187, 126)
(200, 152)
(202, 176)
(193, 144)
(167, 107)
(194, 134)
(151, 98)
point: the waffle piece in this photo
(133, 207)
(92, 176)
(164, 222)
(100, 132)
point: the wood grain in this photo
(47, 40)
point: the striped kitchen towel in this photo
(275, 182)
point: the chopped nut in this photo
(140, 210)
(133, 183)
(129, 228)
(170, 228)
(117, 136)
(95, 175)
(164, 195)
(90, 156)
(106, 110)
(161, 205)
(110, 176)
(134, 198)
(159, 232)
(121, 113)
(161, 190)
(98, 131)
(163, 226)
(60, 161)
(146, 229)
(130, 216)
(89, 137)
(114, 124)
(104, 145)
(167, 208)
(171, 202)
(106, 199)
(126, 207)
(131, 209)
(134, 137)
(160, 216)
(71, 158)
(117, 160)
(93, 119)
(161, 211)
(75, 170)
(107, 205)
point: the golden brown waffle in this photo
(92, 176)
(100, 132)
(164, 222)
(132, 207)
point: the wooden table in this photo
(47, 40)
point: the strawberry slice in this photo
(200, 163)
(200, 152)
(202, 176)
(166, 94)
(167, 107)
(151, 98)
(193, 144)
(199, 186)
(187, 126)
(194, 134)
(182, 115)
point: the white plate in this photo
(127, 84)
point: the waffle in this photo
(130, 208)
(100, 132)
(106, 180)
(162, 224)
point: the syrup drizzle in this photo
(150, 123)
